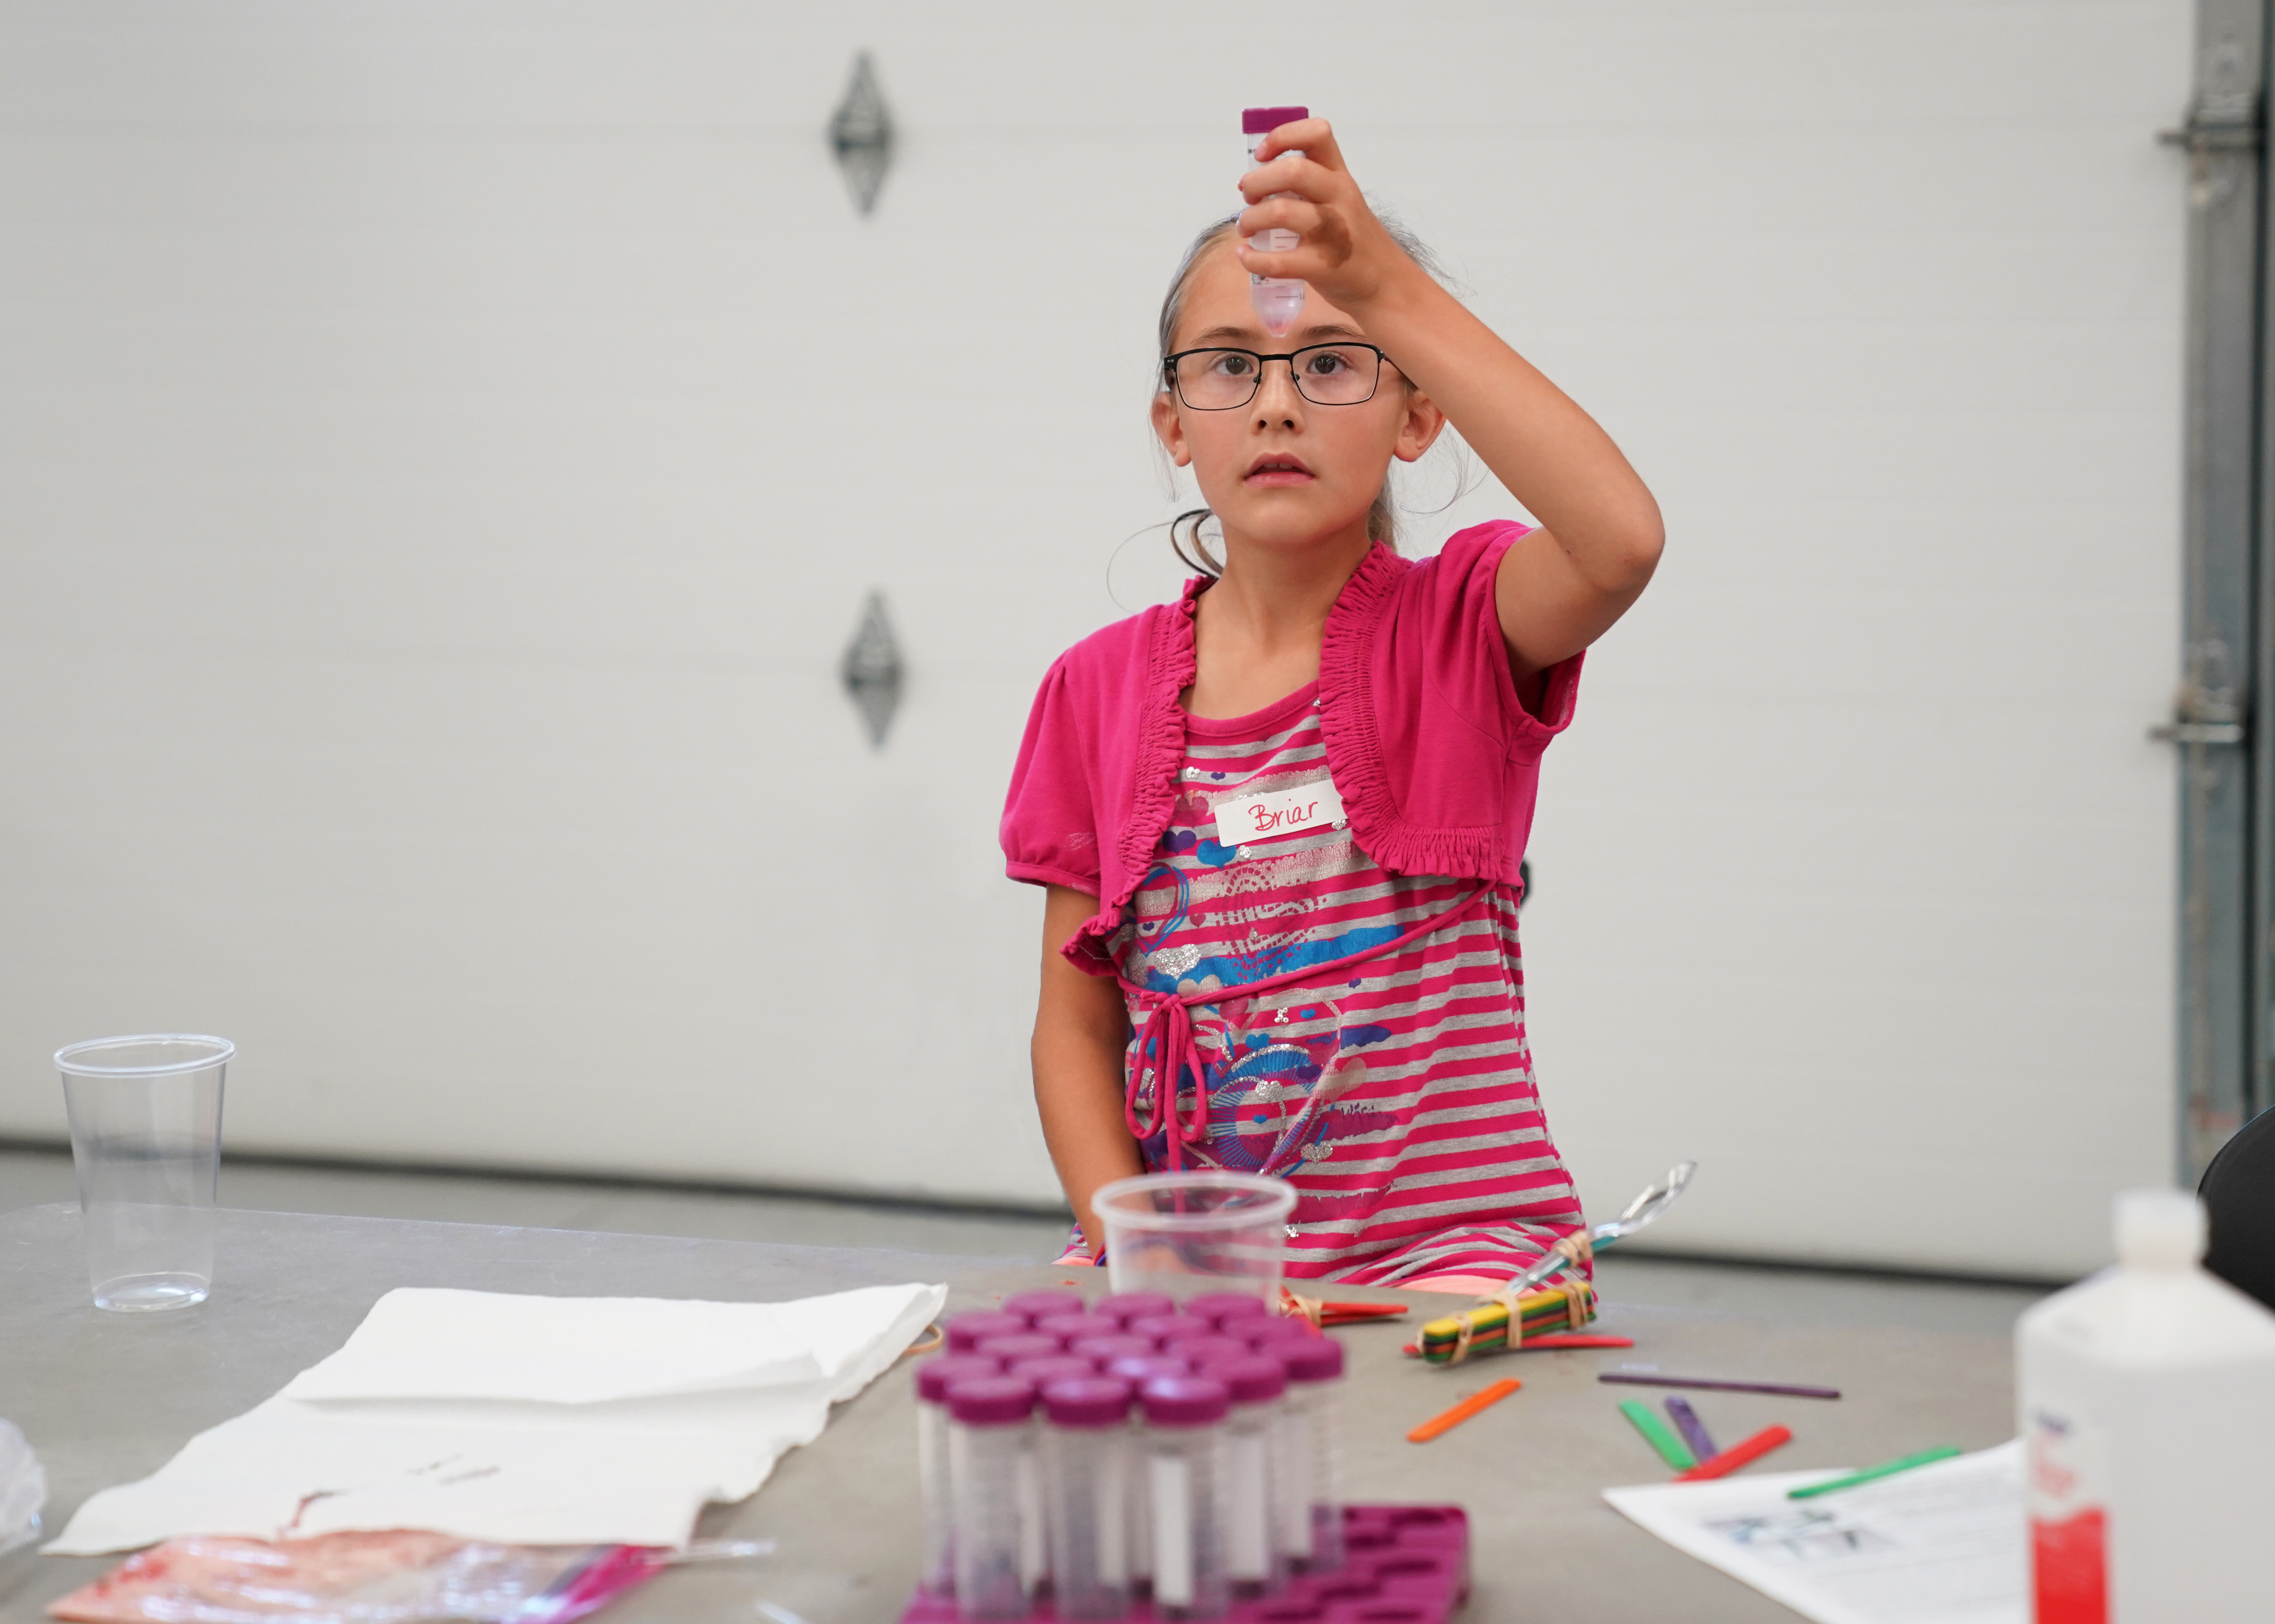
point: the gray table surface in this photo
(108, 1398)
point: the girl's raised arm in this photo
(1564, 584)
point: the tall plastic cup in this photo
(146, 1140)
(1189, 1233)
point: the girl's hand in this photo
(1345, 254)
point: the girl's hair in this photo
(1185, 529)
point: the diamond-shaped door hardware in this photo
(861, 135)
(872, 671)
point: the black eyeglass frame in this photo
(1169, 371)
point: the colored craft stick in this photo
(1693, 1429)
(1885, 1469)
(1553, 1340)
(1656, 1435)
(1462, 1411)
(1737, 1454)
(1638, 1379)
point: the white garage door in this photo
(444, 453)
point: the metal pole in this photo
(2223, 1047)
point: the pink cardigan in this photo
(1436, 762)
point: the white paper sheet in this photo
(1941, 1543)
(501, 1464)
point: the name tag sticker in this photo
(1244, 819)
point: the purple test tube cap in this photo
(1217, 1307)
(1255, 1379)
(1273, 1328)
(1208, 1349)
(1124, 1306)
(1068, 1328)
(1140, 1371)
(935, 1375)
(966, 1332)
(991, 1401)
(1033, 1305)
(1086, 1401)
(1313, 1358)
(1258, 120)
(1184, 1401)
(1106, 1348)
(1052, 1367)
(1020, 1345)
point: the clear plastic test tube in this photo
(1087, 1476)
(934, 1376)
(991, 1470)
(1138, 1372)
(1278, 300)
(1311, 1505)
(1250, 1504)
(1183, 1440)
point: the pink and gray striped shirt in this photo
(1395, 1094)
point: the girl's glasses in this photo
(1341, 374)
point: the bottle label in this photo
(2069, 1529)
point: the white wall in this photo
(444, 450)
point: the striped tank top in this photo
(1396, 1095)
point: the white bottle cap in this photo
(2159, 1230)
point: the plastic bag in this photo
(23, 1489)
(404, 1577)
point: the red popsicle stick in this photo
(1737, 1454)
(1561, 1339)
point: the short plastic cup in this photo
(1189, 1233)
(145, 1141)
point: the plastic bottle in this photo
(1251, 1502)
(991, 1473)
(1087, 1479)
(1311, 1422)
(1183, 1440)
(1278, 300)
(933, 1378)
(2147, 1414)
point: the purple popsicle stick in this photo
(1693, 1429)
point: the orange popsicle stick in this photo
(1462, 1411)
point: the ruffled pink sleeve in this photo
(1049, 832)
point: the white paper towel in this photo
(537, 1420)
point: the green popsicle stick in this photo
(1659, 1436)
(1885, 1469)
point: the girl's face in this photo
(1283, 471)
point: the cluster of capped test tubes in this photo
(1135, 1451)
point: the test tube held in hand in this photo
(1278, 300)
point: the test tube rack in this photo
(1403, 1564)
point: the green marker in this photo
(1659, 1436)
(1886, 1468)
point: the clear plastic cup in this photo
(146, 1140)
(1187, 1234)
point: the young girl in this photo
(1280, 820)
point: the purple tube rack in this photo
(1403, 1565)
